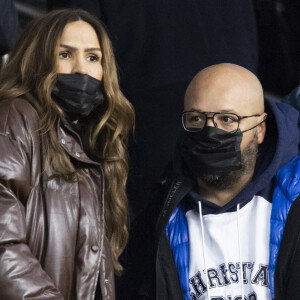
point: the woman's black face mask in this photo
(77, 94)
(211, 151)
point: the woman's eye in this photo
(93, 58)
(64, 55)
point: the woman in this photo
(64, 125)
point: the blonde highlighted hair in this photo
(31, 73)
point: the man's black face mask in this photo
(77, 94)
(211, 151)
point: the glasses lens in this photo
(227, 122)
(193, 120)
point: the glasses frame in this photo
(213, 120)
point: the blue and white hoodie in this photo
(230, 252)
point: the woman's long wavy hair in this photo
(31, 73)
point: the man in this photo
(213, 236)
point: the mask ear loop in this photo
(255, 125)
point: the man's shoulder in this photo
(288, 179)
(291, 170)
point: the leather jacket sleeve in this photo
(21, 274)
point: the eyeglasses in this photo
(195, 121)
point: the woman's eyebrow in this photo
(68, 47)
(92, 49)
(85, 50)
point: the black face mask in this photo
(211, 151)
(77, 94)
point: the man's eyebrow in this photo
(228, 111)
(85, 50)
(224, 111)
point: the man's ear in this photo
(261, 128)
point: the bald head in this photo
(225, 87)
(229, 88)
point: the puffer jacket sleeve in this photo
(21, 275)
(286, 192)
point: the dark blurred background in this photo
(161, 44)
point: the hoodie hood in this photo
(279, 147)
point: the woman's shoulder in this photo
(18, 104)
(17, 114)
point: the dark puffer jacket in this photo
(52, 233)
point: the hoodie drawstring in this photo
(239, 246)
(203, 247)
(240, 250)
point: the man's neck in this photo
(221, 197)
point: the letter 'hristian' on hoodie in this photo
(184, 247)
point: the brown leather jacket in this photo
(52, 238)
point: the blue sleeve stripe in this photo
(177, 233)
